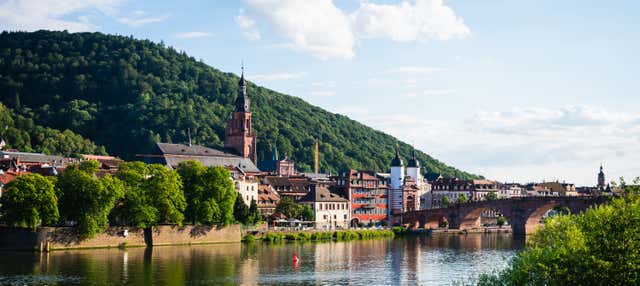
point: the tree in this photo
(30, 200)
(307, 213)
(289, 208)
(600, 246)
(254, 212)
(85, 199)
(153, 194)
(501, 221)
(241, 211)
(211, 197)
(445, 202)
(491, 196)
(462, 199)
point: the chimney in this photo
(315, 157)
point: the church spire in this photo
(397, 162)
(242, 102)
(275, 153)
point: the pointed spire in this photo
(242, 101)
(397, 162)
(413, 162)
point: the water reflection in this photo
(414, 260)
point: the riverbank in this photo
(336, 235)
(61, 238)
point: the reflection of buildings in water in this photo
(331, 256)
(405, 261)
(249, 268)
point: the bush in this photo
(399, 230)
(600, 246)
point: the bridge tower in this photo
(397, 182)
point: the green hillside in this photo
(126, 94)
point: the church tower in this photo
(397, 182)
(601, 179)
(239, 133)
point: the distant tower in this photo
(397, 181)
(601, 180)
(238, 133)
(413, 168)
(315, 156)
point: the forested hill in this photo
(126, 94)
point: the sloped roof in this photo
(322, 194)
(173, 154)
(35, 157)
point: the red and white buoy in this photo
(295, 258)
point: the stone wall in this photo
(67, 237)
(170, 234)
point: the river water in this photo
(428, 260)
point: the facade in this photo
(512, 190)
(268, 199)
(368, 194)
(397, 184)
(238, 132)
(453, 189)
(245, 185)
(294, 187)
(559, 189)
(331, 210)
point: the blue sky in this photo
(515, 90)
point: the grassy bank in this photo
(338, 235)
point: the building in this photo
(396, 184)
(238, 132)
(559, 189)
(601, 179)
(368, 194)
(246, 185)
(294, 187)
(511, 190)
(277, 166)
(453, 189)
(170, 155)
(268, 199)
(332, 211)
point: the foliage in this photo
(400, 230)
(462, 199)
(491, 196)
(20, 132)
(153, 194)
(307, 213)
(29, 201)
(289, 208)
(337, 235)
(501, 221)
(209, 193)
(600, 246)
(86, 199)
(446, 202)
(127, 94)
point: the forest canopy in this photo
(126, 94)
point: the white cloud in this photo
(414, 70)
(30, 15)
(140, 18)
(277, 76)
(524, 144)
(248, 25)
(322, 29)
(192, 35)
(315, 26)
(406, 22)
(322, 93)
(431, 92)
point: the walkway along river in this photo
(426, 260)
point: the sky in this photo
(517, 91)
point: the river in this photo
(428, 260)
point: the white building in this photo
(246, 186)
(331, 210)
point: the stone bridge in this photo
(523, 214)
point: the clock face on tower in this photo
(246, 106)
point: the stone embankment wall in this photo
(53, 238)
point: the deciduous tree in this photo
(29, 201)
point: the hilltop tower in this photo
(601, 179)
(239, 133)
(397, 182)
